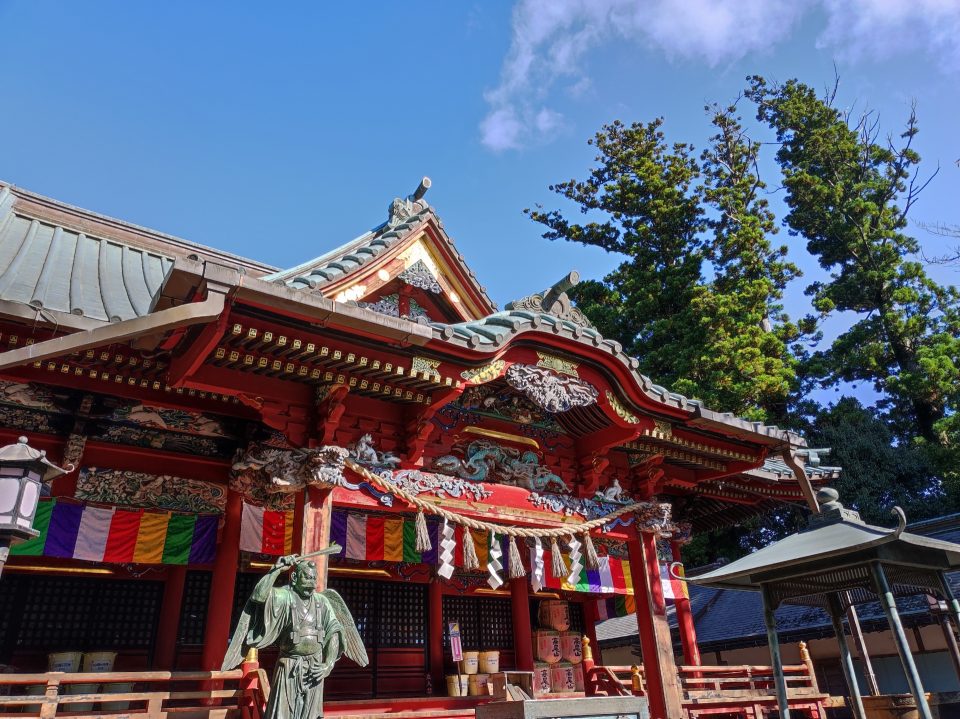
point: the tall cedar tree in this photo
(849, 194)
(723, 341)
(643, 197)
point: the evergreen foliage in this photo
(697, 296)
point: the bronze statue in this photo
(312, 629)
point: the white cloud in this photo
(551, 39)
(864, 29)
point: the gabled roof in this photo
(74, 267)
(409, 219)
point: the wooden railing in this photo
(237, 694)
(743, 690)
(614, 681)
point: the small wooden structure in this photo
(839, 561)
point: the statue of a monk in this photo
(312, 630)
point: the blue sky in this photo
(280, 130)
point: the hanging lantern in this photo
(23, 470)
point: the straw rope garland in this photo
(470, 522)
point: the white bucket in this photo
(470, 663)
(80, 689)
(490, 662)
(119, 688)
(99, 661)
(541, 678)
(457, 685)
(64, 661)
(34, 690)
(478, 685)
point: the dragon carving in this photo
(486, 461)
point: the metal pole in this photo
(4, 552)
(853, 621)
(900, 638)
(775, 659)
(800, 474)
(846, 660)
(953, 612)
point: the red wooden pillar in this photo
(590, 628)
(658, 663)
(317, 516)
(652, 563)
(165, 651)
(435, 632)
(522, 631)
(216, 635)
(688, 632)
(299, 505)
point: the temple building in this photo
(214, 412)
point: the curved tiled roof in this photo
(492, 332)
(49, 267)
(348, 258)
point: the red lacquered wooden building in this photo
(199, 398)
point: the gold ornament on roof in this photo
(557, 364)
(425, 366)
(662, 430)
(622, 412)
(486, 373)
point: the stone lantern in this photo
(23, 470)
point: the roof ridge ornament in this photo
(554, 301)
(402, 209)
(831, 510)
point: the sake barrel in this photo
(562, 679)
(457, 685)
(490, 662)
(541, 678)
(578, 677)
(470, 663)
(554, 614)
(478, 684)
(547, 643)
(571, 647)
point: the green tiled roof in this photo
(50, 267)
(491, 332)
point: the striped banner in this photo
(266, 532)
(611, 577)
(370, 538)
(619, 606)
(114, 535)
(673, 588)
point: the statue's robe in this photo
(296, 691)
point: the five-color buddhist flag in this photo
(116, 535)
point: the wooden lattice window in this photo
(387, 614)
(81, 614)
(576, 617)
(242, 589)
(193, 610)
(485, 623)
(360, 596)
(402, 615)
(463, 610)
